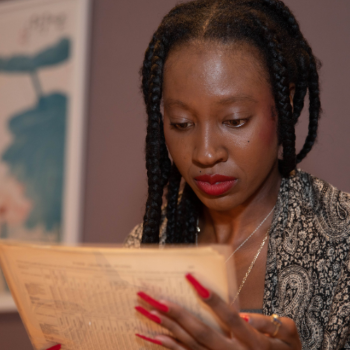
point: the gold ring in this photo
(277, 322)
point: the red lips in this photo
(216, 184)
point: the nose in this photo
(209, 146)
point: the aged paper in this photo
(84, 298)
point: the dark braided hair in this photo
(269, 26)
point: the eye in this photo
(235, 123)
(181, 126)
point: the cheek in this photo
(256, 149)
(260, 139)
(267, 134)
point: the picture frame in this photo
(43, 79)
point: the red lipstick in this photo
(216, 184)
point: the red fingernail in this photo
(159, 306)
(203, 292)
(154, 341)
(144, 312)
(55, 347)
(245, 317)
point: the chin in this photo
(223, 203)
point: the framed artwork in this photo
(43, 75)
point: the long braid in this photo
(146, 73)
(314, 109)
(308, 75)
(165, 162)
(171, 209)
(145, 70)
(301, 86)
(187, 224)
(280, 83)
(151, 221)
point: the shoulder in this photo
(310, 250)
(330, 206)
(134, 238)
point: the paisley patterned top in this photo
(308, 266)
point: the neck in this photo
(234, 226)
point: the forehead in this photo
(212, 68)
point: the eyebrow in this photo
(223, 101)
(236, 98)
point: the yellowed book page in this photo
(84, 298)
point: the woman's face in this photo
(219, 120)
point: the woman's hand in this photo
(248, 331)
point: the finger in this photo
(287, 332)
(150, 340)
(197, 329)
(179, 333)
(163, 340)
(153, 302)
(170, 343)
(240, 329)
(184, 338)
(198, 333)
(227, 314)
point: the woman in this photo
(232, 76)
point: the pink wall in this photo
(115, 184)
(326, 25)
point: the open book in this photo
(84, 297)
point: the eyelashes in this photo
(235, 123)
(181, 126)
(232, 123)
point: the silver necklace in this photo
(255, 257)
(250, 267)
(245, 241)
(250, 235)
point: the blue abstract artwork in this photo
(43, 57)
(36, 155)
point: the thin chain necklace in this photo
(262, 222)
(250, 267)
(255, 257)
(245, 241)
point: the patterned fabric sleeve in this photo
(133, 240)
(347, 344)
(308, 271)
(337, 334)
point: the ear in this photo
(291, 94)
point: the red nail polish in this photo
(159, 306)
(154, 341)
(245, 317)
(203, 292)
(150, 316)
(55, 347)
